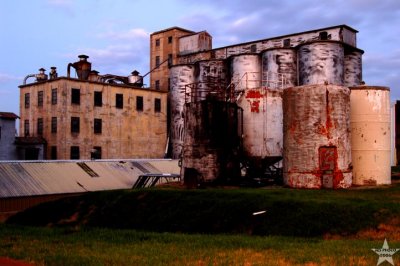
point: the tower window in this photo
(27, 100)
(157, 105)
(286, 43)
(53, 96)
(40, 98)
(157, 42)
(157, 85)
(169, 39)
(253, 48)
(323, 35)
(139, 103)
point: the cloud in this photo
(6, 78)
(131, 34)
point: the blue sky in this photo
(115, 33)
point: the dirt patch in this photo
(12, 262)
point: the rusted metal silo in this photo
(279, 67)
(353, 68)
(321, 62)
(180, 76)
(370, 135)
(316, 148)
(245, 71)
(211, 142)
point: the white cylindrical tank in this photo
(278, 63)
(353, 68)
(321, 62)
(246, 71)
(316, 134)
(180, 76)
(370, 135)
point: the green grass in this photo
(93, 246)
(289, 212)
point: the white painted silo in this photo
(180, 76)
(246, 71)
(279, 67)
(370, 135)
(321, 62)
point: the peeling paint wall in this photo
(316, 130)
(321, 62)
(370, 135)
(246, 71)
(210, 75)
(180, 76)
(126, 132)
(281, 61)
(194, 43)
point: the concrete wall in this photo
(7, 138)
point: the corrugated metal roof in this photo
(31, 178)
(8, 115)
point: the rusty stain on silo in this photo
(317, 137)
(370, 135)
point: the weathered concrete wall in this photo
(316, 130)
(370, 135)
(211, 141)
(321, 62)
(352, 68)
(246, 71)
(280, 61)
(180, 76)
(126, 132)
(194, 43)
(7, 138)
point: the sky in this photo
(115, 34)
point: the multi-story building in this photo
(94, 116)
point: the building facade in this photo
(84, 119)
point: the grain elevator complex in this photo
(293, 106)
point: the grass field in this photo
(208, 227)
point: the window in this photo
(169, 59)
(97, 126)
(119, 100)
(157, 42)
(98, 98)
(286, 43)
(74, 154)
(96, 153)
(157, 61)
(157, 105)
(253, 48)
(169, 39)
(75, 96)
(27, 100)
(40, 98)
(53, 96)
(53, 153)
(40, 126)
(157, 85)
(323, 35)
(74, 124)
(54, 125)
(139, 103)
(26, 127)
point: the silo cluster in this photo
(297, 106)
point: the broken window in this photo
(119, 100)
(286, 43)
(53, 153)
(323, 35)
(139, 103)
(75, 96)
(75, 124)
(98, 98)
(97, 126)
(157, 85)
(157, 42)
(157, 105)
(74, 153)
(169, 39)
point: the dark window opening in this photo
(98, 98)
(169, 39)
(157, 85)
(157, 61)
(74, 153)
(53, 96)
(27, 100)
(97, 126)
(169, 59)
(96, 153)
(40, 126)
(139, 103)
(75, 124)
(253, 48)
(286, 43)
(53, 153)
(323, 35)
(26, 127)
(157, 42)
(54, 125)
(119, 100)
(75, 96)
(40, 98)
(169, 83)
(157, 105)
